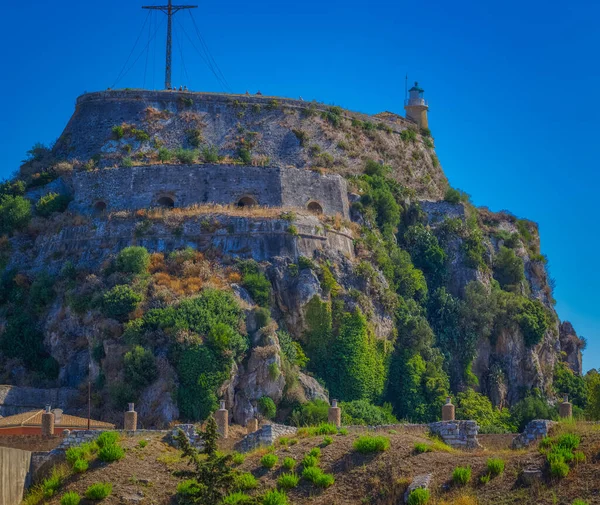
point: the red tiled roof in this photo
(34, 418)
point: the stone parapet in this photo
(265, 436)
(535, 430)
(457, 434)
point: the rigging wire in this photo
(155, 20)
(132, 50)
(203, 57)
(208, 52)
(182, 59)
(140, 55)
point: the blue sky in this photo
(512, 88)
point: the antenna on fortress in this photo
(169, 10)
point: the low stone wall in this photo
(457, 434)
(267, 435)
(535, 430)
(79, 437)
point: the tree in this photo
(133, 260)
(509, 269)
(213, 476)
(15, 213)
(120, 301)
(592, 379)
(140, 367)
(567, 382)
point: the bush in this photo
(315, 475)
(315, 451)
(186, 156)
(559, 469)
(275, 497)
(140, 367)
(461, 475)
(120, 301)
(509, 269)
(210, 154)
(368, 444)
(245, 482)
(52, 484)
(289, 463)
(530, 408)
(311, 413)
(579, 502)
(266, 407)
(237, 498)
(70, 498)
(269, 461)
(165, 154)
(327, 441)
(188, 488)
(309, 461)
(50, 203)
(418, 496)
(80, 466)
(238, 458)
(365, 413)
(107, 438)
(111, 453)
(258, 286)
(98, 491)
(142, 443)
(133, 260)
(455, 196)
(245, 155)
(15, 213)
(495, 466)
(421, 448)
(568, 441)
(325, 480)
(288, 481)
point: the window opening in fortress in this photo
(165, 201)
(247, 201)
(99, 207)
(315, 208)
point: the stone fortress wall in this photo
(143, 187)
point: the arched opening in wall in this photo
(247, 201)
(166, 201)
(315, 208)
(100, 207)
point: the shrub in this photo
(237, 498)
(238, 458)
(269, 461)
(288, 481)
(111, 453)
(579, 502)
(310, 460)
(421, 448)
(365, 413)
(258, 286)
(495, 466)
(485, 478)
(311, 473)
(327, 441)
(118, 131)
(133, 260)
(275, 497)
(15, 213)
(559, 469)
(52, 484)
(569, 441)
(461, 475)
(245, 482)
(408, 135)
(315, 451)
(120, 301)
(98, 491)
(266, 407)
(70, 498)
(80, 465)
(509, 269)
(142, 443)
(368, 444)
(578, 457)
(289, 463)
(50, 203)
(418, 496)
(325, 480)
(107, 438)
(188, 488)
(81, 452)
(210, 154)
(165, 154)
(186, 156)
(140, 367)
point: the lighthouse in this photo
(416, 107)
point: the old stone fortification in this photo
(185, 185)
(15, 400)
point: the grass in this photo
(142, 443)
(315, 451)
(315, 475)
(288, 481)
(495, 466)
(98, 491)
(321, 429)
(80, 466)
(107, 438)
(327, 441)
(275, 497)
(245, 482)
(237, 498)
(70, 498)
(268, 461)
(309, 461)
(289, 463)
(419, 496)
(420, 448)
(559, 469)
(111, 453)
(238, 458)
(461, 475)
(368, 444)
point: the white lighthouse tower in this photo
(416, 107)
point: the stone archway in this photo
(166, 202)
(315, 207)
(100, 207)
(247, 201)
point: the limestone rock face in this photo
(312, 389)
(571, 345)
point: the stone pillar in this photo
(130, 419)
(222, 418)
(565, 409)
(252, 425)
(334, 416)
(448, 413)
(47, 422)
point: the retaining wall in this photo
(535, 430)
(265, 436)
(14, 475)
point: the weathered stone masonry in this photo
(185, 185)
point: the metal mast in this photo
(169, 10)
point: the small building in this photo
(30, 423)
(416, 107)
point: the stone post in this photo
(334, 416)
(130, 419)
(47, 422)
(222, 418)
(252, 425)
(565, 409)
(448, 413)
